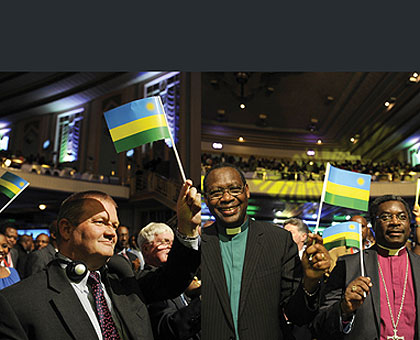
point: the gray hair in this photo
(147, 234)
(302, 226)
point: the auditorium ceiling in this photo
(284, 110)
(371, 114)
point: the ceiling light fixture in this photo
(217, 146)
(310, 152)
(319, 141)
(414, 78)
(241, 139)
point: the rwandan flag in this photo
(347, 189)
(342, 234)
(11, 185)
(137, 123)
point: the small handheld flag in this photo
(347, 189)
(139, 122)
(136, 123)
(11, 186)
(342, 234)
(348, 234)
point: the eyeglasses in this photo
(219, 192)
(160, 243)
(388, 217)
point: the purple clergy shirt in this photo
(394, 270)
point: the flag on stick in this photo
(136, 123)
(11, 186)
(139, 122)
(342, 234)
(347, 189)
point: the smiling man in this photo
(251, 269)
(77, 298)
(383, 304)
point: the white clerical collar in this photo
(390, 251)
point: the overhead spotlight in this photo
(242, 106)
(42, 207)
(352, 139)
(310, 152)
(217, 146)
(269, 90)
(313, 125)
(414, 78)
(390, 103)
(221, 115)
(214, 82)
(319, 141)
(241, 139)
(262, 119)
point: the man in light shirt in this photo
(69, 301)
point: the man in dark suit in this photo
(251, 270)
(38, 259)
(384, 303)
(70, 300)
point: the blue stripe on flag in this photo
(16, 180)
(133, 111)
(341, 228)
(349, 178)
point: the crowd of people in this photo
(92, 279)
(307, 170)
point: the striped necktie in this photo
(108, 328)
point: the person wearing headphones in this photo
(76, 297)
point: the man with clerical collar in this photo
(251, 270)
(382, 304)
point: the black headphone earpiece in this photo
(75, 270)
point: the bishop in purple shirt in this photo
(383, 303)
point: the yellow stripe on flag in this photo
(137, 126)
(343, 190)
(13, 188)
(346, 235)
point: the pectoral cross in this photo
(395, 336)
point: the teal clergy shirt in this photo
(233, 253)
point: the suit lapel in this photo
(252, 256)
(67, 304)
(371, 269)
(212, 258)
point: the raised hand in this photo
(189, 209)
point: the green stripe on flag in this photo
(141, 138)
(7, 192)
(347, 202)
(334, 244)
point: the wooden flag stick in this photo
(13, 198)
(181, 169)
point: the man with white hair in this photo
(172, 319)
(299, 231)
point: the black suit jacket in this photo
(38, 259)
(45, 306)
(270, 281)
(368, 317)
(173, 320)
